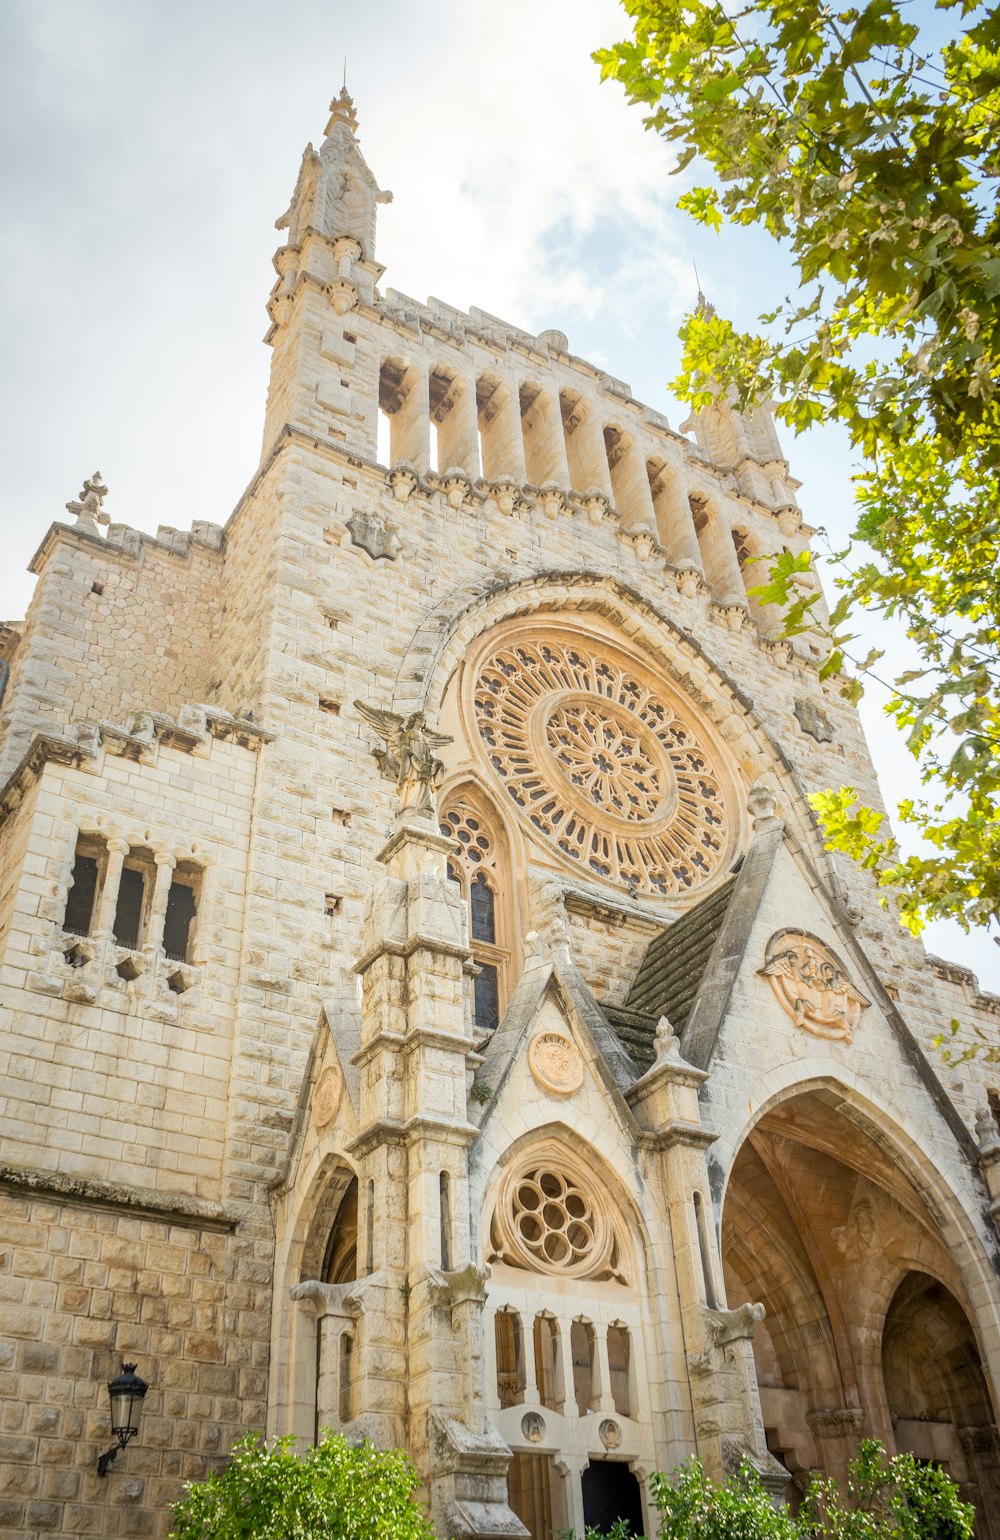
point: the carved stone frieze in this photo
(812, 986)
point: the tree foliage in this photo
(886, 1499)
(873, 156)
(334, 1491)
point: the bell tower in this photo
(326, 269)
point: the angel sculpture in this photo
(408, 756)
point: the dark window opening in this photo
(129, 910)
(444, 1210)
(610, 1494)
(82, 896)
(487, 992)
(181, 910)
(484, 927)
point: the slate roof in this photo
(669, 976)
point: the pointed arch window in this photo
(480, 866)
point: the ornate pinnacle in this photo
(342, 111)
(89, 507)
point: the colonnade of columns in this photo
(534, 434)
(543, 1372)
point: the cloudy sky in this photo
(147, 149)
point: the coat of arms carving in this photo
(811, 986)
(814, 721)
(373, 534)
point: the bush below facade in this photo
(334, 1491)
(886, 1499)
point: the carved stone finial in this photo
(666, 1043)
(408, 757)
(89, 507)
(534, 948)
(761, 805)
(559, 938)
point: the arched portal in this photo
(937, 1393)
(868, 1327)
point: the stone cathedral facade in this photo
(426, 1007)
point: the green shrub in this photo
(887, 1499)
(334, 1491)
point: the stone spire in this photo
(336, 194)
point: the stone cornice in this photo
(138, 1202)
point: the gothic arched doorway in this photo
(824, 1225)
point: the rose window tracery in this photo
(604, 762)
(548, 1221)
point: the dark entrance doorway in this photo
(611, 1492)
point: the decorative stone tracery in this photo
(604, 760)
(549, 1221)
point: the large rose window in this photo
(604, 761)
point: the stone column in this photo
(503, 445)
(458, 431)
(530, 1365)
(588, 460)
(104, 923)
(726, 1405)
(674, 520)
(165, 864)
(601, 1398)
(722, 567)
(416, 1040)
(410, 426)
(544, 441)
(633, 498)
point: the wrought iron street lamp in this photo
(126, 1391)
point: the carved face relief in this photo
(604, 761)
(555, 1063)
(811, 986)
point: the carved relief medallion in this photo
(326, 1097)
(605, 762)
(811, 986)
(533, 1427)
(610, 1433)
(556, 1063)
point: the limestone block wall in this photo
(112, 1077)
(956, 994)
(115, 625)
(84, 1288)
